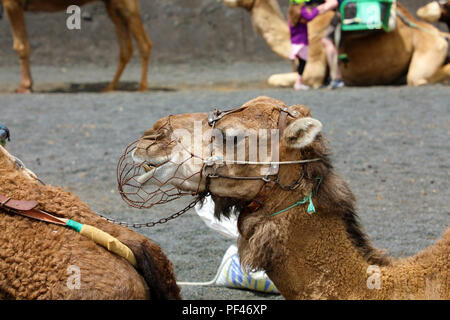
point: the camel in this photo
(39, 260)
(123, 13)
(377, 58)
(436, 11)
(300, 224)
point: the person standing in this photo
(299, 14)
(331, 40)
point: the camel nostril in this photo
(153, 136)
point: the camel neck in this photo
(269, 21)
(262, 10)
(321, 261)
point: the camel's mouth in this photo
(156, 172)
(150, 170)
(148, 163)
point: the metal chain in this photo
(153, 223)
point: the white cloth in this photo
(225, 226)
(230, 273)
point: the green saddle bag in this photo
(362, 15)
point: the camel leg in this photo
(125, 43)
(426, 63)
(443, 74)
(144, 44)
(21, 44)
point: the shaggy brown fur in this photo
(311, 245)
(35, 256)
(332, 193)
(323, 255)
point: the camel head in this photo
(434, 11)
(269, 22)
(215, 153)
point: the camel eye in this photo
(234, 136)
(234, 139)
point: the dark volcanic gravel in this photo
(390, 143)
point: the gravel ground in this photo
(390, 143)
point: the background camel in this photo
(37, 259)
(376, 59)
(311, 249)
(124, 14)
(436, 11)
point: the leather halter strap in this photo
(27, 208)
(217, 115)
(260, 198)
(22, 205)
(258, 201)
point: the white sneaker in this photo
(300, 86)
(335, 84)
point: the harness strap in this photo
(28, 209)
(269, 183)
(17, 204)
(260, 198)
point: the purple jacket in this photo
(299, 33)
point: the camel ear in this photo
(302, 132)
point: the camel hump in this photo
(156, 270)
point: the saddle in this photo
(368, 15)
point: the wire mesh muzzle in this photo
(141, 185)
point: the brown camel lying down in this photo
(298, 224)
(376, 58)
(125, 15)
(37, 259)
